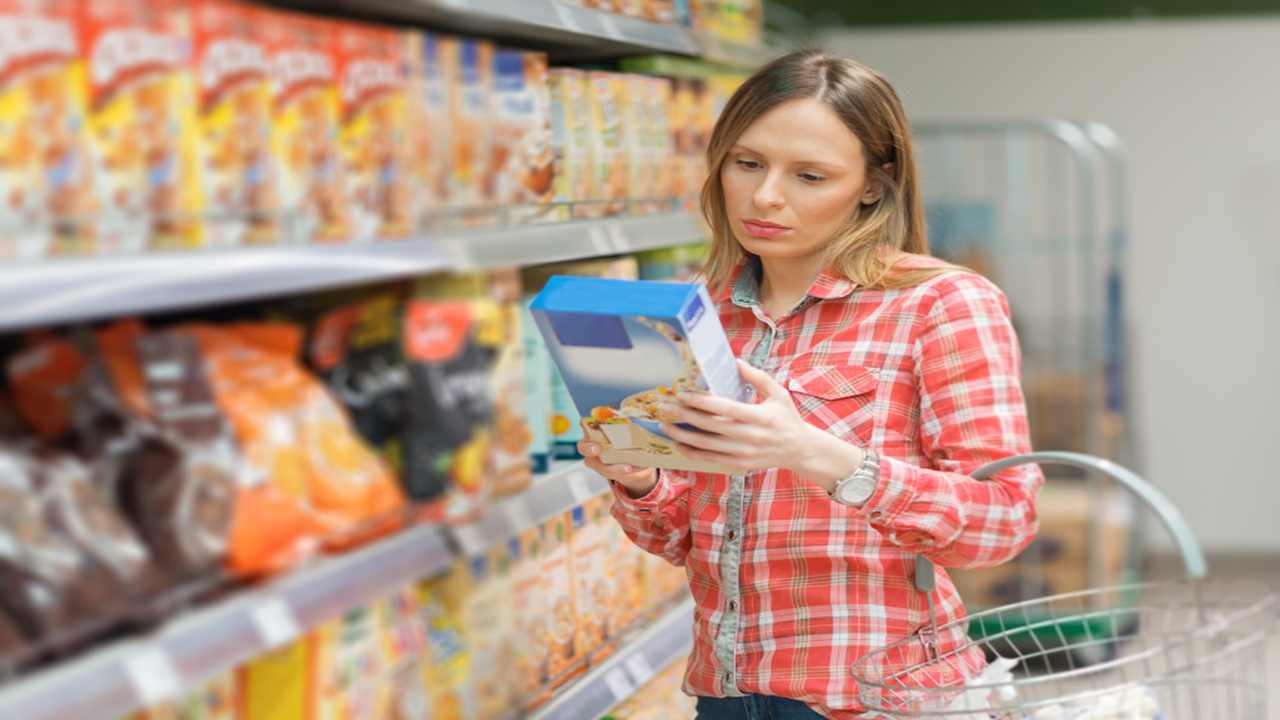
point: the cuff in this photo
(894, 493)
(660, 495)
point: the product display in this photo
(625, 348)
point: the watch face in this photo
(856, 490)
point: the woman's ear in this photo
(875, 186)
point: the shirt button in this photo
(733, 534)
(733, 605)
(728, 678)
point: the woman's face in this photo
(793, 180)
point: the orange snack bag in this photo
(233, 97)
(41, 379)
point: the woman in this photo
(882, 377)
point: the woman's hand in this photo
(744, 436)
(637, 481)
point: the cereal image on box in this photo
(626, 347)
(373, 80)
(307, 162)
(521, 160)
(142, 123)
(234, 117)
(45, 184)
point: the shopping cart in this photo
(1162, 651)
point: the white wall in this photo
(1199, 107)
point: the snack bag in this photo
(571, 142)
(42, 378)
(471, 188)
(512, 469)
(374, 81)
(45, 179)
(609, 99)
(521, 161)
(305, 151)
(142, 124)
(234, 119)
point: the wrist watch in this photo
(857, 488)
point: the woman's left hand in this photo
(742, 436)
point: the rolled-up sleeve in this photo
(657, 523)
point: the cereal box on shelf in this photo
(233, 96)
(520, 157)
(373, 80)
(512, 464)
(432, 136)
(625, 576)
(448, 667)
(46, 185)
(570, 140)
(142, 125)
(307, 162)
(348, 667)
(276, 685)
(592, 590)
(559, 641)
(640, 161)
(488, 625)
(624, 349)
(471, 187)
(608, 98)
(532, 613)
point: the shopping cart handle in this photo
(1170, 517)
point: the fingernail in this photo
(592, 449)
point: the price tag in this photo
(565, 15)
(518, 517)
(617, 237)
(153, 676)
(619, 684)
(611, 30)
(276, 623)
(599, 240)
(580, 488)
(640, 669)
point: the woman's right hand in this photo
(637, 481)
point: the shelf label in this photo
(619, 685)
(565, 15)
(640, 669)
(518, 517)
(611, 30)
(276, 623)
(617, 237)
(153, 676)
(599, 240)
(580, 488)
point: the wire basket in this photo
(1154, 651)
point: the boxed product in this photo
(571, 141)
(512, 469)
(471, 188)
(233, 97)
(520, 157)
(626, 575)
(142, 125)
(642, 172)
(488, 626)
(532, 613)
(374, 82)
(448, 668)
(557, 585)
(681, 263)
(433, 136)
(348, 668)
(307, 160)
(216, 700)
(626, 347)
(593, 591)
(680, 116)
(276, 686)
(537, 385)
(658, 139)
(609, 97)
(44, 145)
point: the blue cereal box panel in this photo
(623, 347)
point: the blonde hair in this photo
(869, 107)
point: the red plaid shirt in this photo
(791, 587)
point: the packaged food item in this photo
(626, 347)
(374, 81)
(471, 188)
(216, 700)
(680, 263)
(702, 123)
(521, 162)
(684, 180)
(608, 98)
(532, 614)
(45, 177)
(13, 646)
(487, 620)
(275, 686)
(307, 164)
(348, 668)
(660, 11)
(641, 162)
(592, 590)
(658, 140)
(452, 335)
(626, 572)
(433, 136)
(449, 667)
(512, 465)
(42, 377)
(557, 585)
(179, 487)
(571, 142)
(142, 124)
(233, 96)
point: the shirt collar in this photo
(829, 285)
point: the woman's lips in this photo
(765, 230)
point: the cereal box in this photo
(592, 589)
(570, 140)
(46, 190)
(626, 347)
(559, 633)
(446, 672)
(608, 98)
(658, 138)
(373, 79)
(233, 95)
(625, 574)
(432, 136)
(471, 188)
(511, 469)
(307, 161)
(532, 612)
(275, 686)
(521, 160)
(487, 618)
(142, 124)
(348, 668)
(640, 180)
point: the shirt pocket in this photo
(837, 398)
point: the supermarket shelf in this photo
(129, 675)
(554, 242)
(62, 290)
(565, 30)
(559, 490)
(616, 679)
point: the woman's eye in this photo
(748, 164)
(811, 178)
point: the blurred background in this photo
(278, 440)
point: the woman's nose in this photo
(768, 194)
